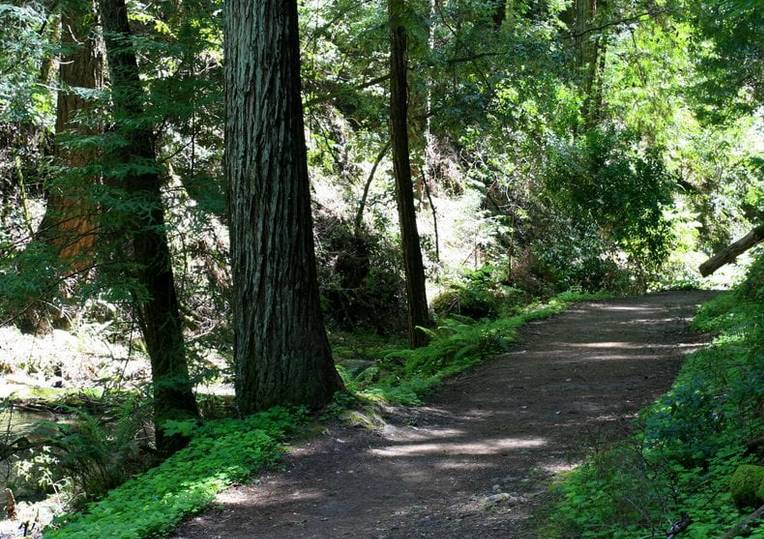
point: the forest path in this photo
(478, 458)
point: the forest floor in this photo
(478, 459)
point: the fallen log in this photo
(732, 251)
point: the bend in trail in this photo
(478, 458)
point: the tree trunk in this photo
(281, 350)
(418, 313)
(588, 56)
(157, 309)
(69, 221)
(732, 251)
(499, 14)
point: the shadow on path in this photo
(478, 457)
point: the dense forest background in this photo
(551, 146)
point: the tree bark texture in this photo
(416, 295)
(281, 349)
(157, 309)
(69, 221)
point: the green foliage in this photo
(24, 47)
(91, 447)
(601, 179)
(689, 443)
(732, 66)
(479, 294)
(220, 453)
(747, 486)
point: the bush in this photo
(610, 198)
(481, 294)
(747, 486)
(476, 304)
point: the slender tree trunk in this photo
(69, 221)
(418, 312)
(281, 350)
(157, 309)
(358, 223)
(590, 55)
(499, 14)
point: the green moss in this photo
(747, 485)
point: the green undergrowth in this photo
(229, 450)
(153, 503)
(688, 445)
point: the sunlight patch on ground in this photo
(488, 447)
(558, 468)
(630, 308)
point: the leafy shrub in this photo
(613, 198)
(95, 448)
(480, 294)
(747, 485)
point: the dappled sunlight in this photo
(605, 344)
(238, 498)
(558, 468)
(629, 308)
(412, 434)
(658, 320)
(485, 447)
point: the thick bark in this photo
(281, 349)
(732, 251)
(157, 309)
(69, 221)
(418, 312)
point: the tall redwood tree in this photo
(69, 224)
(281, 350)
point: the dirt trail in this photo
(478, 458)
